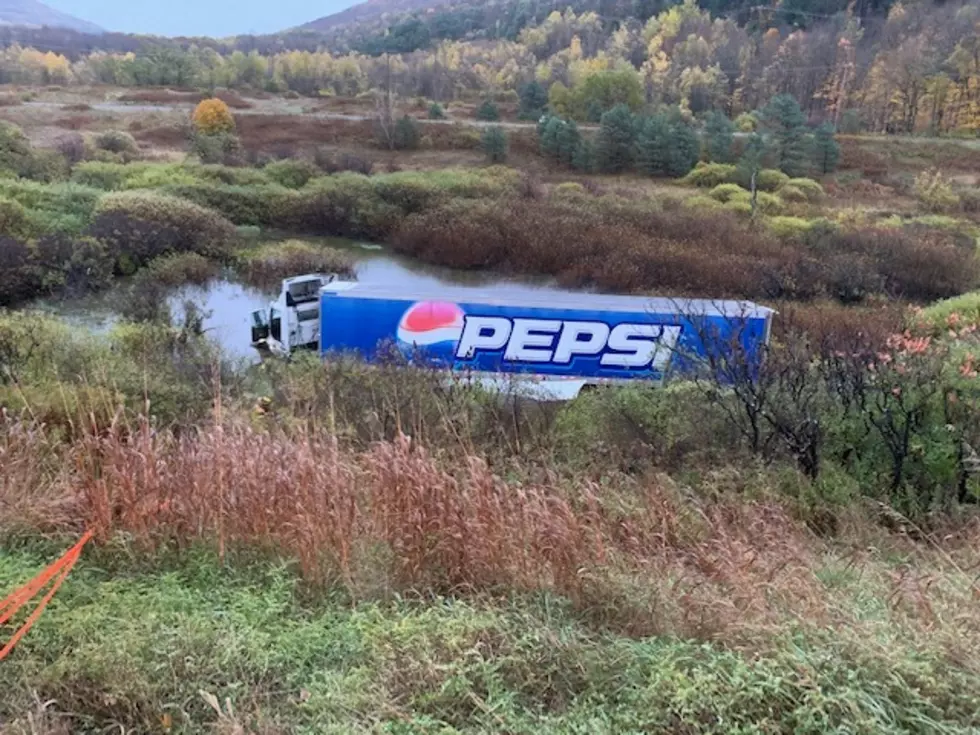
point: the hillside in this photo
(369, 11)
(36, 14)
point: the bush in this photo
(726, 192)
(54, 200)
(267, 266)
(117, 141)
(436, 112)
(220, 174)
(935, 192)
(701, 203)
(810, 189)
(291, 173)
(790, 193)
(788, 227)
(212, 117)
(179, 269)
(770, 179)
(407, 134)
(488, 111)
(709, 175)
(740, 207)
(46, 167)
(141, 226)
(19, 279)
(72, 147)
(746, 122)
(15, 149)
(158, 176)
(14, 221)
(223, 148)
(99, 175)
(495, 144)
(332, 163)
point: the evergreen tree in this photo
(495, 144)
(534, 100)
(584, 157)
(614, 145)
(685, 149)
(786, 125)
(719, 133)
(653, 146)
(407, 134)
(436, 112)
(568, 140)
(751, 161)
(488, 111)
(548, 137)
(826, 151)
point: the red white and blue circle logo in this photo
(432, 326)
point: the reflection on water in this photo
(228, 304)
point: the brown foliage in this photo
(262, 132)
(633, 248)
(166, 97)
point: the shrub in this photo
(765, 202)
(54, 200)
(99, 175)
(72, 264)
(810, 189)
(709, 175)
(117, 141)
(157, 177)
(770, 179)
(488, 111)
(746, 122)
(495, 144)
(213, 117)
(15, 149)
(436, 112)
(703, 203)
(726, 192)
(146, 225)
(179, 269)
(790, 193)
(407, 134)
(740, 207)
(788, 227)
(72, 147)
(935, 192)
(14, 221)
(332, 163)
(970, 199)
(291, 173)
(223, 148)
(228, 175)
(18, 278)
(267, 266)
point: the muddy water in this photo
(228, 304)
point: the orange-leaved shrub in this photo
(212, 117)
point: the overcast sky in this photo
(199, 17)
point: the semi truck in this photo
(560, 342)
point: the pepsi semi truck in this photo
(565, 340)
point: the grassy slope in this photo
(138, 647)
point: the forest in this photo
(913, 67)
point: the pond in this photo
(229, 303)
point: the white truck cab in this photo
(292, 321)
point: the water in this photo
(229, 304)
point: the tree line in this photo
(916, 68)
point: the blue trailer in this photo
(567, 340)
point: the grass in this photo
(267, 265)
(147, 644)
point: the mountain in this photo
(368, 11)
(36, 14)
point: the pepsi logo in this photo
(430, 323)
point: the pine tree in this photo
(495, 144)
(751, 161)
(786, 125)
(826, 151)
(685, 149)
(653, 146)
(488, 111)
(407, 134)
(584, 157)
(548, 136)
(719, 133)
(534, 100)
(568, 140)
(614, 145)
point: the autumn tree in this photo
(212, 117)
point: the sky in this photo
(199, 17)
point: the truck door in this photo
(275, 324)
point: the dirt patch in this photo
(77, 107)
(169, 97)
(264, 133)
(75, 122)
(159, 136)
(8, 101)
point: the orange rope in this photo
(13, 602)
